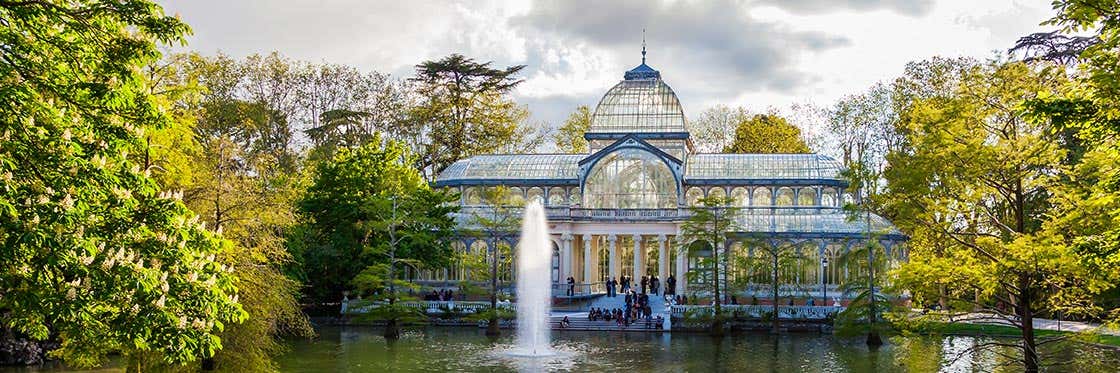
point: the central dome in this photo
(642, 103)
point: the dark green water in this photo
(361, 349)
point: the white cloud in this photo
(756, 53)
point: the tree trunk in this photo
(1026, 316)
(492, 328)
(392, 330)
(717, 319)
(774, 293)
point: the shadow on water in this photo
(358, 349)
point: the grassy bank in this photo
(1007, 331)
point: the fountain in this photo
(534, 288)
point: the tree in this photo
(710, 224)
(93, 252)
(347, 221)
(246, 195)
(709, 132)
(775, 260)
(766, 133)
(978, 174)
(461, 109)
(501, 217)
(569, 139)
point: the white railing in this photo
(753, 311)
(428, 307)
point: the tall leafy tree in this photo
(978, 174)
(775, 262)
(346, 219)
(247, 195)
(710, 132)
(462, 109)
(500, 219)
(707, 229)
(91, 250)
(569, 139)
(766, 133)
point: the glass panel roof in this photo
(761, 166)
(514, 166)
(789, 220)
(639, 105)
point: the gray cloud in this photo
(715, 46)
(907, 7)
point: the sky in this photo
(759, 54)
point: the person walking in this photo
(671, 285)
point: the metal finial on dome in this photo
(643, 46)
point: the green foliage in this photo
(707, 229)
(92, 251)
(349, 213)
(766, 133)
(569, 139)
(247, 194)
(710, 130)
(865, 311)
(464, 111)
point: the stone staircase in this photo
(656, 303)
(579, 321)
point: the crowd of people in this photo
(442, 295)
(649, 284)
(636, 309)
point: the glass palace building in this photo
(619, 209)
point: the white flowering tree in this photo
(92, 253)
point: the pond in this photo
(362, 349)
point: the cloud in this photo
(906, 7)
(717, 46)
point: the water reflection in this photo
(358, 349)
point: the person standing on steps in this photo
(671, 285)
(571, 285)
(645, 284)
(611, 283)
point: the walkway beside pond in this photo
(1040, 324)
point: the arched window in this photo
(784, 197)
(534, 193)
(717, 192)
(761, 197)
(516, 196)
(557, 197)
(472, 196)
(807, 197)
(693, 196)
(828, 197)
(741, 196)
(574, 197)
(630, 178)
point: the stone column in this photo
(639, 262)
(682, 278)
(662, 259)
(588, 276)
(615, 260)
(565, 257)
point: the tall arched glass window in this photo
(472, 196)
(784, 197)
(761, 197)
(741, 196)
(533, 194)
(807, 197)
(693, 196)
(630, 178)
(557, 197)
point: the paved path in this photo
(1042, 324)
